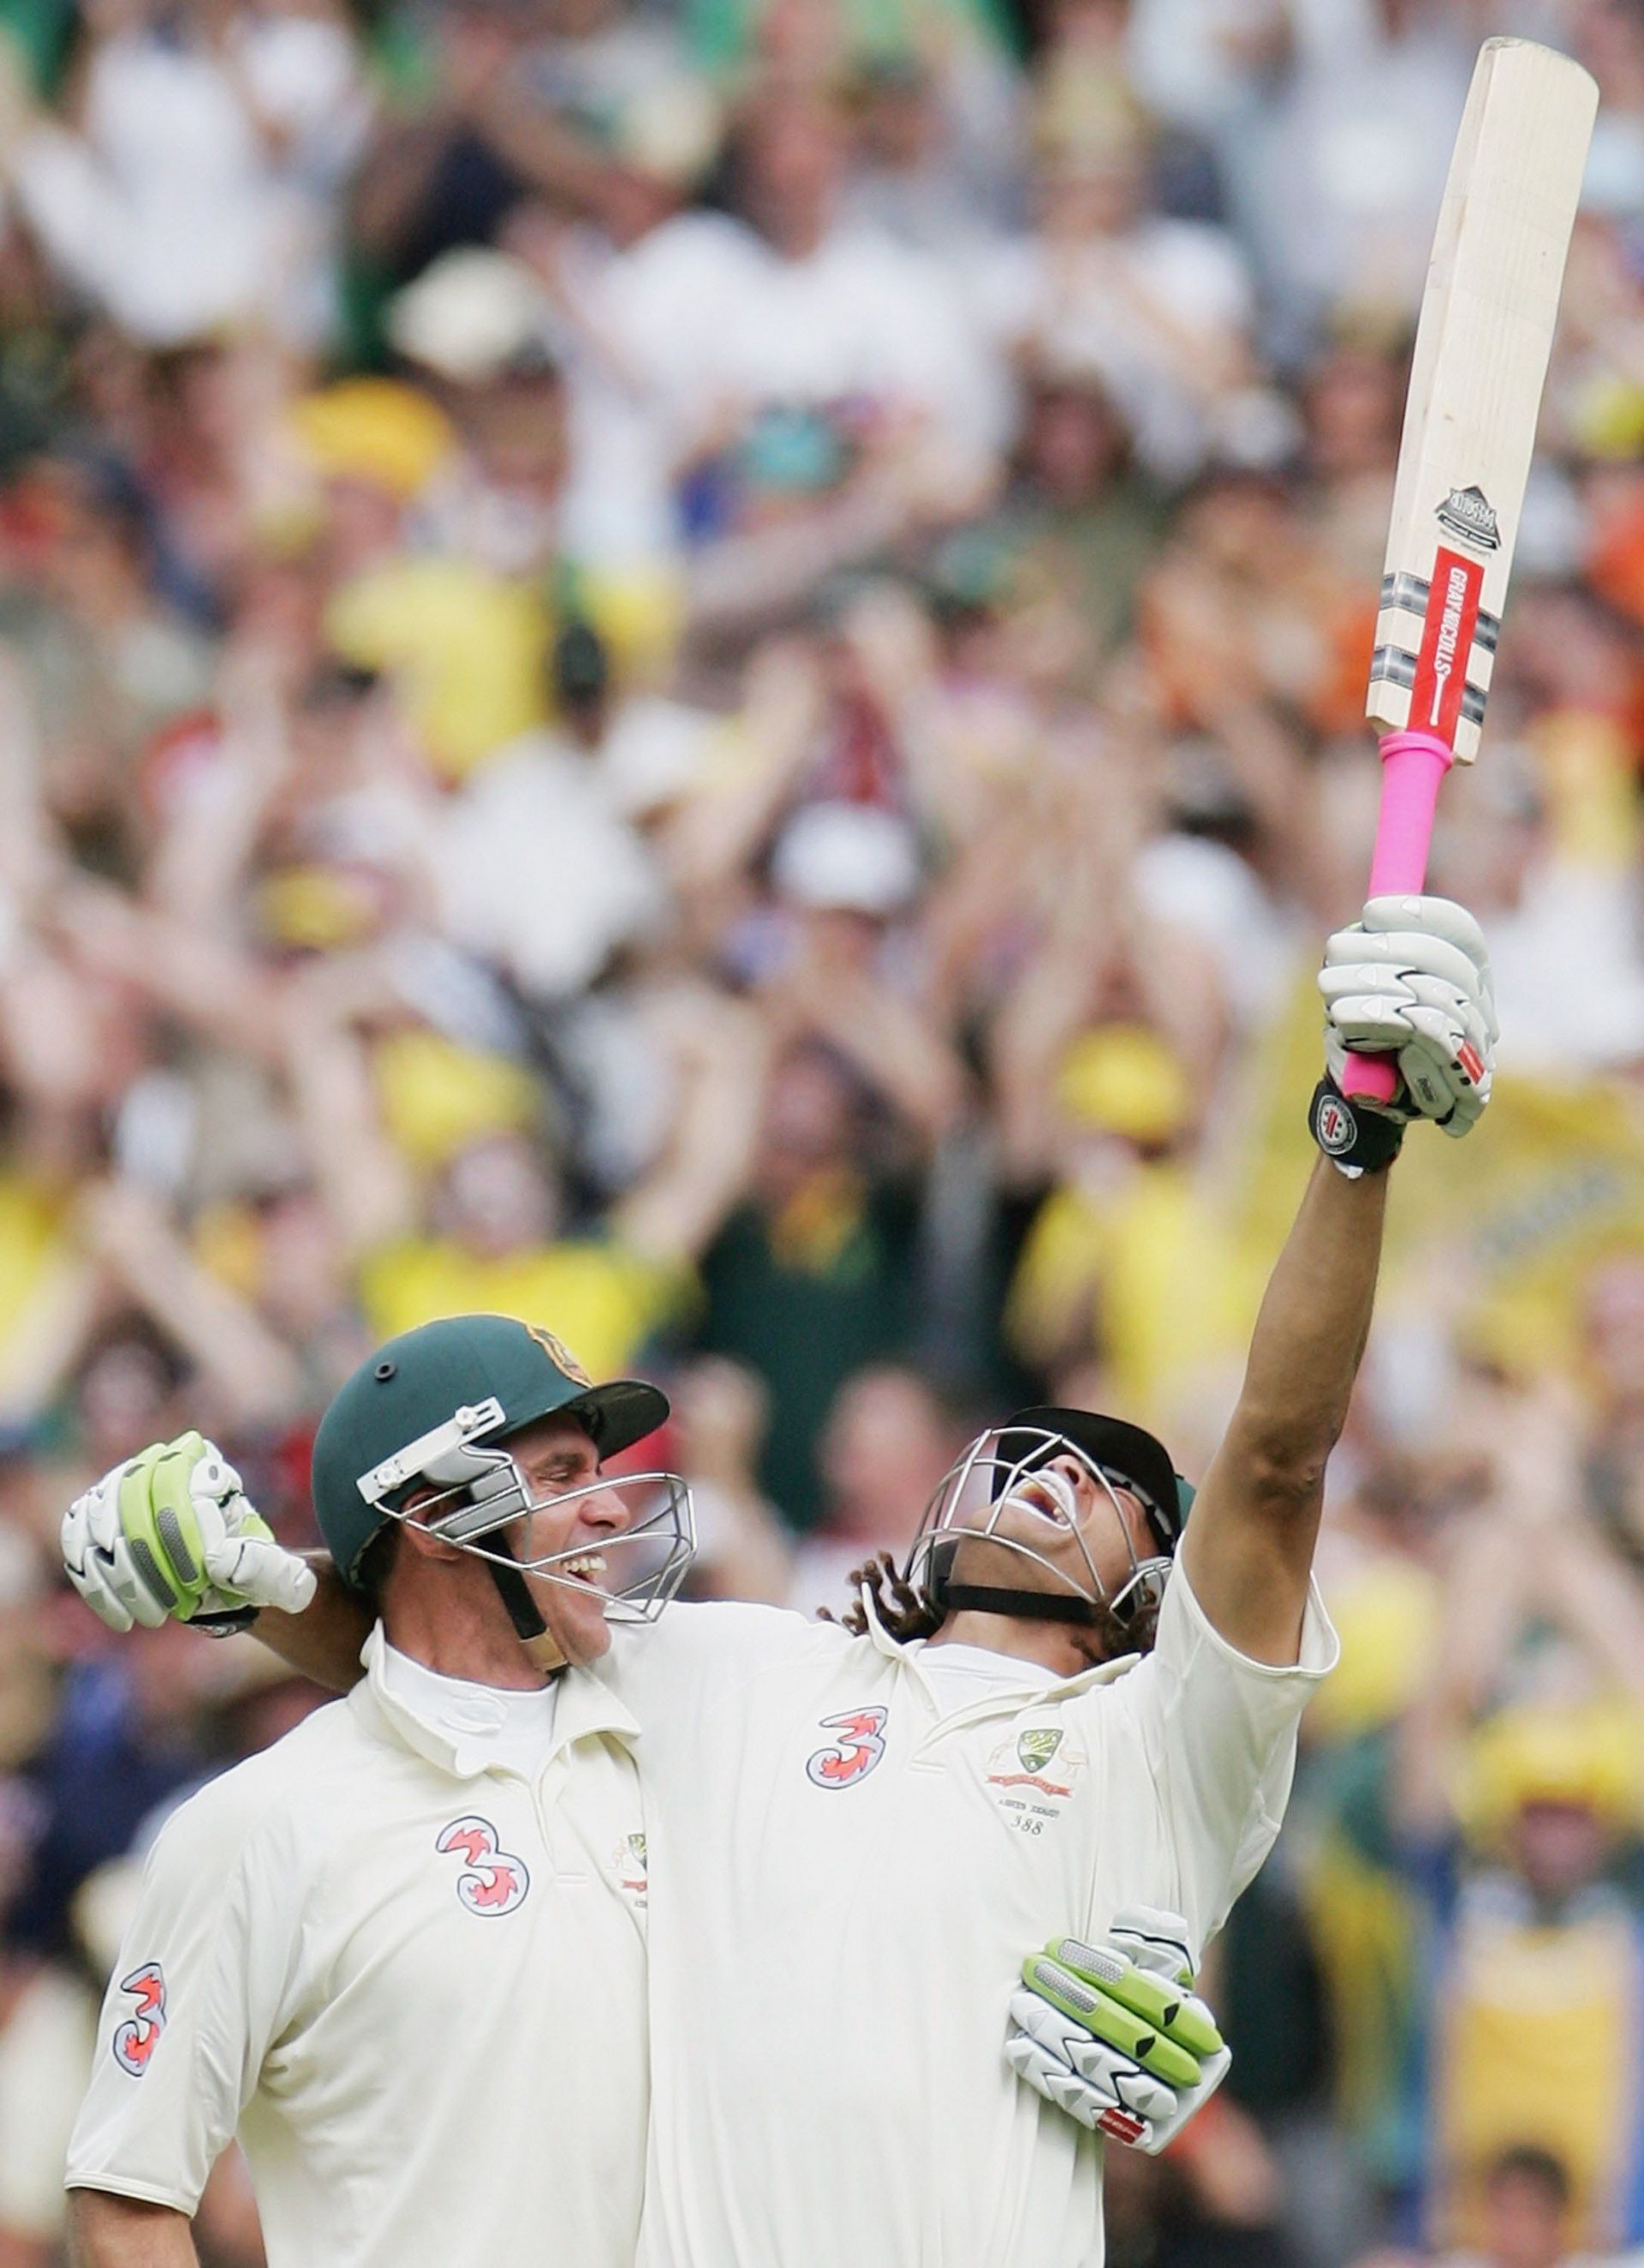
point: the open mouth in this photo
(1046, 1495)
(587, 1567)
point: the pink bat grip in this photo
(1413, 765)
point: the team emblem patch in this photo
(560, 1355)
(493, 1882)
(858, 1748)
(137, 2039)
(1036, 1749)
(1031, 1755)
(628, 1859)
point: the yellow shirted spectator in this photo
(374, 432)
(436, 1097)
(1542, 1969)
(606, 1298)
(467, 645)
(40, 1278)
(492, 1240)
(1128, 1250)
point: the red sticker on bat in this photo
(1447, 635)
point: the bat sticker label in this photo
(1469, 514)
(1447, 636)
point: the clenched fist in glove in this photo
(1113, 2034)
(1411, 979)
(170, 1532)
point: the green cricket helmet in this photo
(429, 1416)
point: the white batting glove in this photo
(170, 1533)
(1412, 978)
(1114, 2035)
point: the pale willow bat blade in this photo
(1485, 333)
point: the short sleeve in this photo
(1202, 1742)
(194, 2003)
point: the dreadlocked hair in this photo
(902, 1612)
(905, 1613)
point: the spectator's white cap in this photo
(847, 857)
(471, 314)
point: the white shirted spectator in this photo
(538, 870)
(1188, 882)
(201, 188)
(1199, 63)
(1159, 310)
(1335, 181)
(849, 857)
(722, 316)
(479, 312)
(1570, 972)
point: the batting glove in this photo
(1412, 979)
(170, 1534)
(1113, 2033)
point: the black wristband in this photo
(1356, 1139)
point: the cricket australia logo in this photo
(1469, 513)
(558, 1354)
(493, 1882)
(853, 1754)
(1035, 1751)
(631, 1873)
(137, 2039)
(1031, 1776)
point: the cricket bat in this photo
(1482, 344)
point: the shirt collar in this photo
(582, 1707)
(907, 1653)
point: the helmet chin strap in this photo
(1025, 1606)
(542, 1648)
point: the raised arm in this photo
(1249, 1546)
(1412, 977)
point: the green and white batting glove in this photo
(170, 1534)
(1113, 2033)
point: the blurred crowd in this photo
(694, 670)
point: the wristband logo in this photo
(1335, 1129)
(137, 2039)
(855, 1754)
(494, 1881)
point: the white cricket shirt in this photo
(851, 1853)
(409, 1974)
